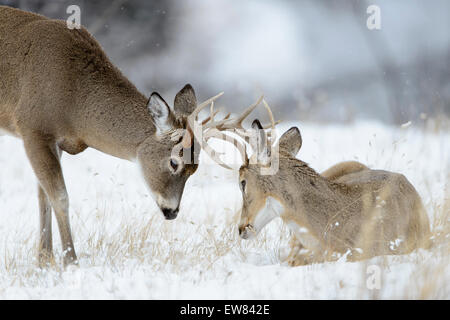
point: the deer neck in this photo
(115, 119)
(314, 202)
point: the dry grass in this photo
(119, 243)
(170, 248)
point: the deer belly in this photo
(305, 237)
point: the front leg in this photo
(44, 159)
(299, 255)
(45, 229)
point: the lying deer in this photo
(348, 209)
(60, 92)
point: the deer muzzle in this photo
(247, 231)
(170, 214)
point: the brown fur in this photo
(60, 92)
(342, 169)
(348, 209)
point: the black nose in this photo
(241, 230)
(170, 214)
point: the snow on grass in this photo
(127, 250)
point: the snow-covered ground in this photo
(127, 250)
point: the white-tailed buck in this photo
(348, 209)
(60, 92)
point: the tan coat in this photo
(60, 92)
(349, 209)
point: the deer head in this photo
(261, 197)
(170, 156)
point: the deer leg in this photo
(45, 228)
(44, 159)
(294, 258)
(299, 255)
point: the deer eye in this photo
(174, 164)
(243, 183)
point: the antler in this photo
(188, 138)
(210, 128)
(235, 125)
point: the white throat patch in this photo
(272, 209)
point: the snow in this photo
(128, 251)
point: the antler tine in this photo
(190, 127)
(202, 105)
(216, 124)
(269, 125)
(211, 111)
(269, 111)
(210, 117)
(272, 124)
(248, 111)
(237, 123)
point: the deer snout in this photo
(168, 206)
(169, 214)
(246, 231)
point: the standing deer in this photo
(60, 92)
(348, 209)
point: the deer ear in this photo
(291, 141)
(185, 101)
(160, 112)
(259, 143)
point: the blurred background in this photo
(313, 60)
